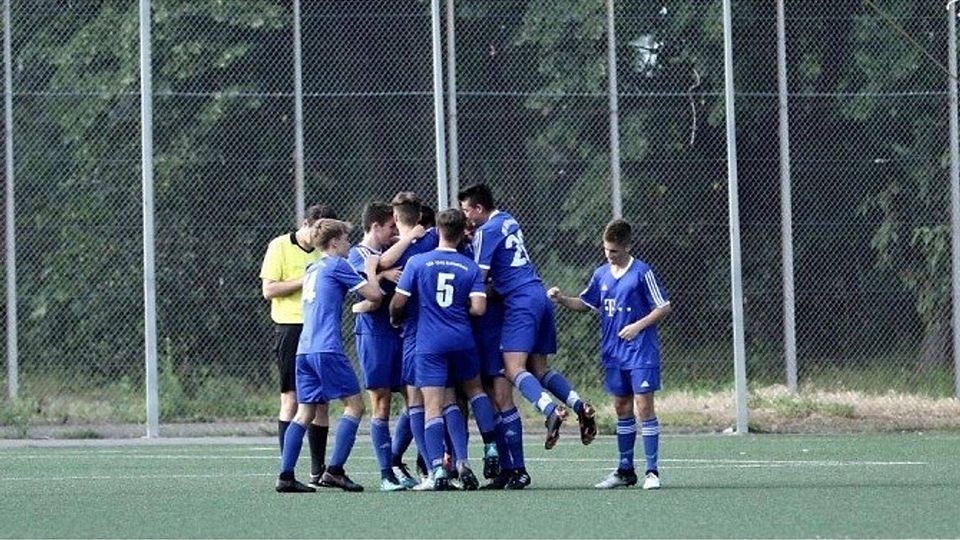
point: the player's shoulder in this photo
(281, 241)
(602, 271)
(640, 266)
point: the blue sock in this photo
(457, 428)
(506, 460)
(343, 442)
(417, 426)
(448, 447)
(650, 430)
(380, 437)
(530, 387)
(433, 434)
(559, 386)
(402, 438)
(484, 415)
(292, 442)
(626, 439)
(513, 436)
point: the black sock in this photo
(282, 426)
(317, 438)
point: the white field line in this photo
(709, 462)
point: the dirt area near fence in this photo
(771, 410)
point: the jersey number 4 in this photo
(310, 287)
(515, 242)
(445, 289)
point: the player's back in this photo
(325, 286)
(442, 283)
(499, 247)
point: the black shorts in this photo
(286, 338)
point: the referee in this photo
(284, 266)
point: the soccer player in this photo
(631, 301)
(282, 272)
(414, 239)
(448, 288)
(379, 347)
(529, 329)
(323, 370)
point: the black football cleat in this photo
(499, 482)
(468, 479)
(519, 480)
(588, 424)
(341, 481)
(293, 486)
(553, 423)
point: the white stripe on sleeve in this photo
(654, 289)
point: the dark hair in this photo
(618, 232)
(376, 212)
(319, 211)
(325, 230)
(428, 218)
(451, 224)
(407, 206)
(477, 194)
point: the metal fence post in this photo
(954, 194)
(736, 279)
(13, 366)
(440, 139)
(786, 207)
(298, 114)
(614, 108)
(149, 275)
(453, 158)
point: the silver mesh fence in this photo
(867, 101)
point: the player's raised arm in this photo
(371, 289)
(570, 302)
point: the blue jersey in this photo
(498, 247)
(325, 285)
(441, 283)
(622, 301)
(426, 243)
(376, 322)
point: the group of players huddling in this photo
(455, 308)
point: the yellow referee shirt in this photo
(285, 260)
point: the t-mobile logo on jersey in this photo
(610, 306)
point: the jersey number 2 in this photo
(515, 242)
(445, 289)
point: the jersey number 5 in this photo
(515, 242)
(445, 289)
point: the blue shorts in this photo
(528, 324)
(324, 377)
(447, 369)
(487, 336)
(409, 370)
(628, 382)
(381, 360)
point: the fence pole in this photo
(786, 207)
(13, 365)
(954, 195)
(736, 279)
(439, 138)
(614, 110)
(149, 277)
(453, 151)
(298, 114)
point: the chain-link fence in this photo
(867, 95)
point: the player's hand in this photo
(630, 331)
(392, 274)
(418, 231)
(554, 294)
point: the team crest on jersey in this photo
(610, 306)
(604, 287)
